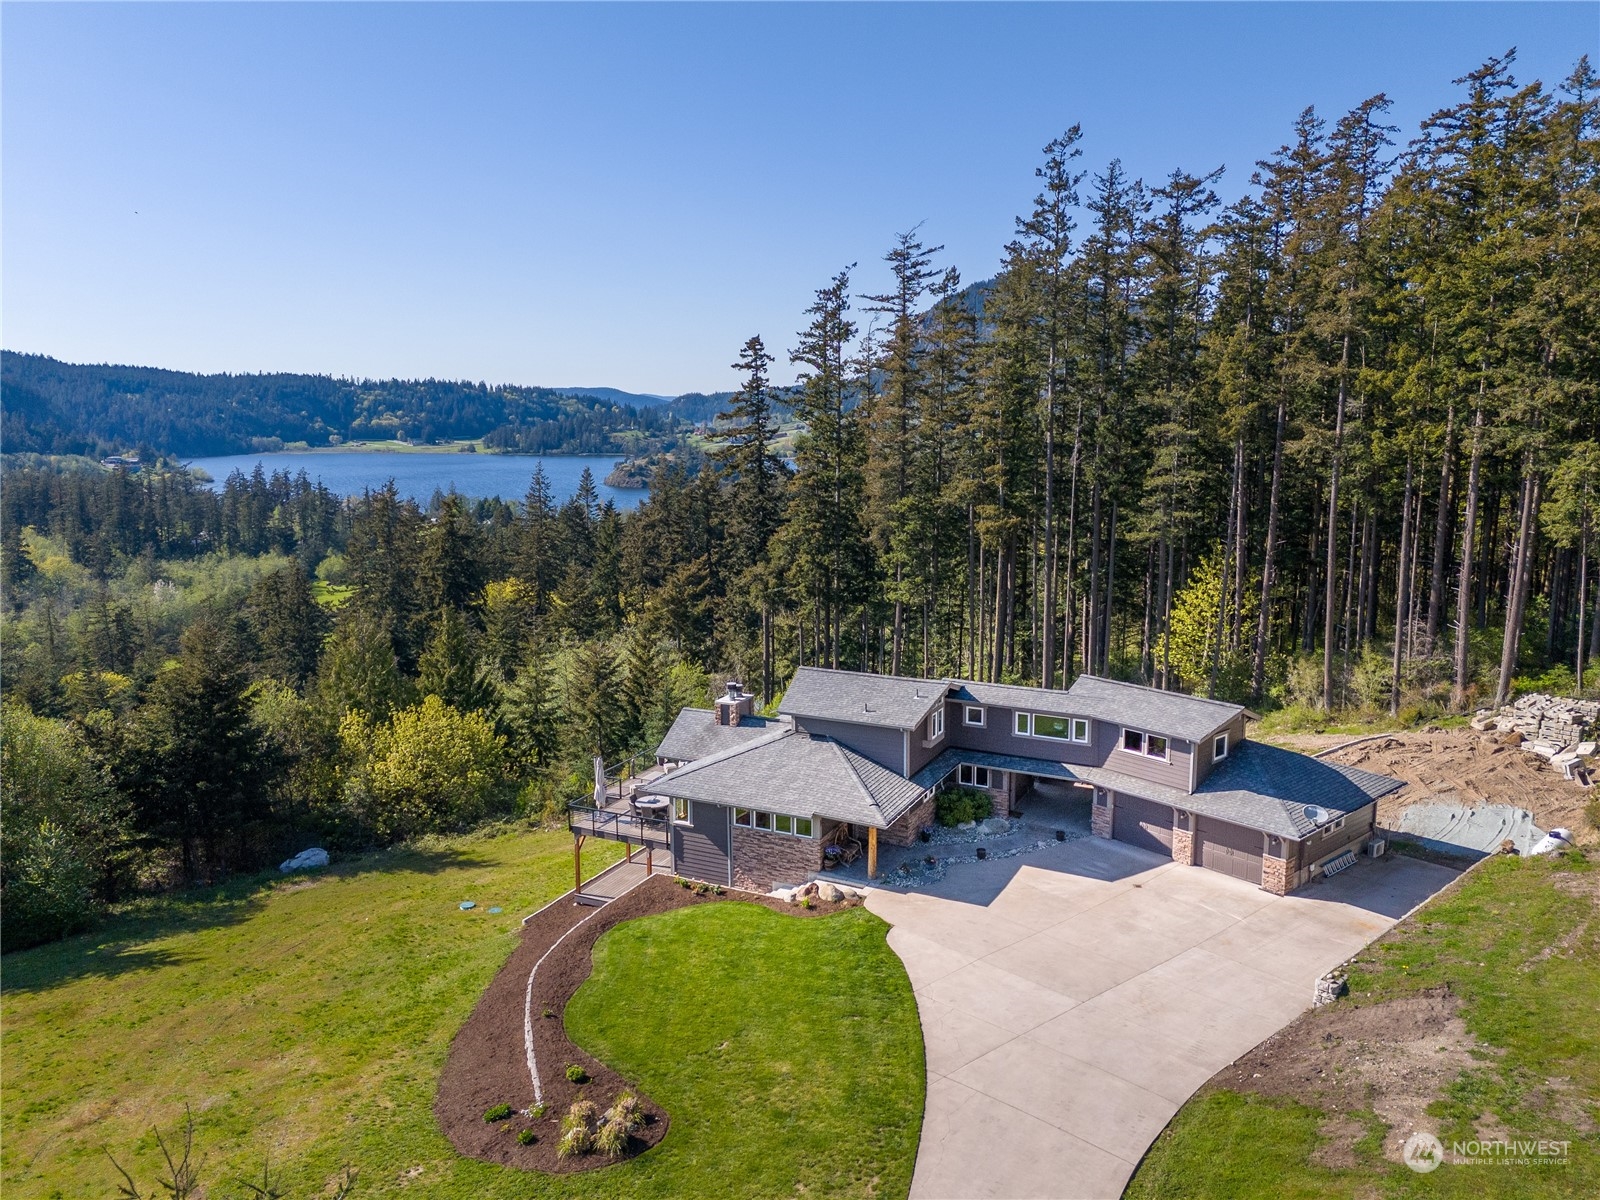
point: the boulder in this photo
(967, 825)
(829, 892)
(995, 825)
(784, 894)
(306, 860)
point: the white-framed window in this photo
(1328, 829)
(972, 714)
(936, 724)
(680, 810)
(1219, 747)
(983, 777)
(1057, 729)
(750, 818)
(1151, 745)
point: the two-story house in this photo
(754, 800)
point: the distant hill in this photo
(615, 395)
(52, 407)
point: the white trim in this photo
(1144, 741)
(966, 715)
(688, 811)
(1028, 718)
(1224, 739)
(936, 724)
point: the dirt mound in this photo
(488, 1062)
(1393, 1058)
(1464, 767)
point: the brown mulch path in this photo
(487, 1064)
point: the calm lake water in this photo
(418, 475)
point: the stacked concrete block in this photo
(1555, 728)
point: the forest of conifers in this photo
(1330, 447)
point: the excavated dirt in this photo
(1462, 766)
(1393, 1058)
(487, 1064)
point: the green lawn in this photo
(1519, 942)
(786, 1051)
(310, 1020)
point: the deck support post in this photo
(872, 851)
(577, 864)
(649, 861)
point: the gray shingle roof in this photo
(798, 774)
(696, 734)
(1012, 695)
(890, 701)
(1189, 717)
(951, 759)
(1261, 787)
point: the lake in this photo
(418, 474)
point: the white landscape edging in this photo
(527, 999)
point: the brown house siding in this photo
(1358, 827)
(886, 747)
(763, 861)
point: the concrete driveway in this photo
(1070, 1005)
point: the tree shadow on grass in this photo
(121, 943)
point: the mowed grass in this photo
(787, 1052)
(308, 1020)
(1519, 942)
(304, 1019)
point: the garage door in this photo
(1230, 849)
(1142, 823)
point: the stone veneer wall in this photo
(763, 861)
(1275, 875)
(912, 822)
(1100, 817)
(1183, 847)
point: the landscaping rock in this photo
(995, 825)
(306, 860)
(829, 892)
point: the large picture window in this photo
(1059, 729)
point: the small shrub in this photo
(702, 889)
(538, 1111)
(611, 1139)
(526, 1137)
(498, 1113)
(549, 1012)
(681, 881)
(953, 806)
(576, 1074)
(577, 1130)
(807, 902)
(626, 1112)
(718, 890)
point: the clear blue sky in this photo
(612, 194)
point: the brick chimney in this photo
(736, 704)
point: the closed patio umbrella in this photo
(599, 782)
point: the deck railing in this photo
(622, 822)
(586, 819)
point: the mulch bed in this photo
(487, 1064)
